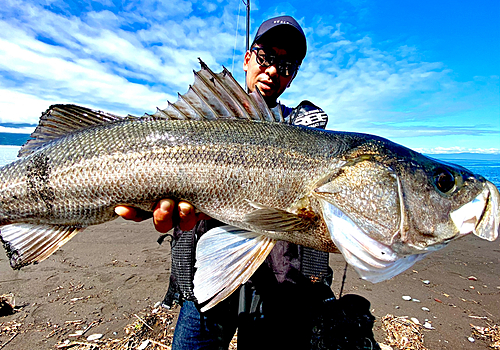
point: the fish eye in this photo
(444, 180)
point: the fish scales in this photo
(137, 162)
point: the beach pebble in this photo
(425, 308)
(426, 282)
(94, 336)
(76, 334)
(415, 320)
(143, 345)
(406, 297)
(385, 346)
(428, 325)
(472, 278)
(472, 340)
(415, 300)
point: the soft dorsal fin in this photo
(218, 96)
(60, 120)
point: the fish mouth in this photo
(476, 216)
(480, 216)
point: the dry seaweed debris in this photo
(9, 329)
(491, 333)
(7, 304)
(152, 332)
(403, 333)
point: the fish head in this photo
(388, 206)
(442, 202)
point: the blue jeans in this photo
(286, 325)
(212, 330)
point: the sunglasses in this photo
(267, 57)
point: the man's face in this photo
(266, 79)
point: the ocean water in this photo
(485, 164)
(8, 154)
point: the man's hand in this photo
(166, 213)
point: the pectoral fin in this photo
(27, 244)
(277, 220)
(227, 257)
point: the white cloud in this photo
(453, 150)
(85, 80)
(128, 61)
(24, 130)
(18, 107)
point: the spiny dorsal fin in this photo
(218, 96)
(60, 120)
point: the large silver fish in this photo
(382, 205)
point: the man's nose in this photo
(272, 71)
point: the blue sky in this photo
(424, 74)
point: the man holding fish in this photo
(267, 307)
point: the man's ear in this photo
(246, 59)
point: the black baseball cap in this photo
(283, 32)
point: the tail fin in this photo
(26, 244)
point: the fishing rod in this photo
(248, 35)
(247, 40)
(248, 23)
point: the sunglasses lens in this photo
(262, 59)
(286, 69)
(266, 59)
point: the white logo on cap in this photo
(282, 22)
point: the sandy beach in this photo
(112, 275)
